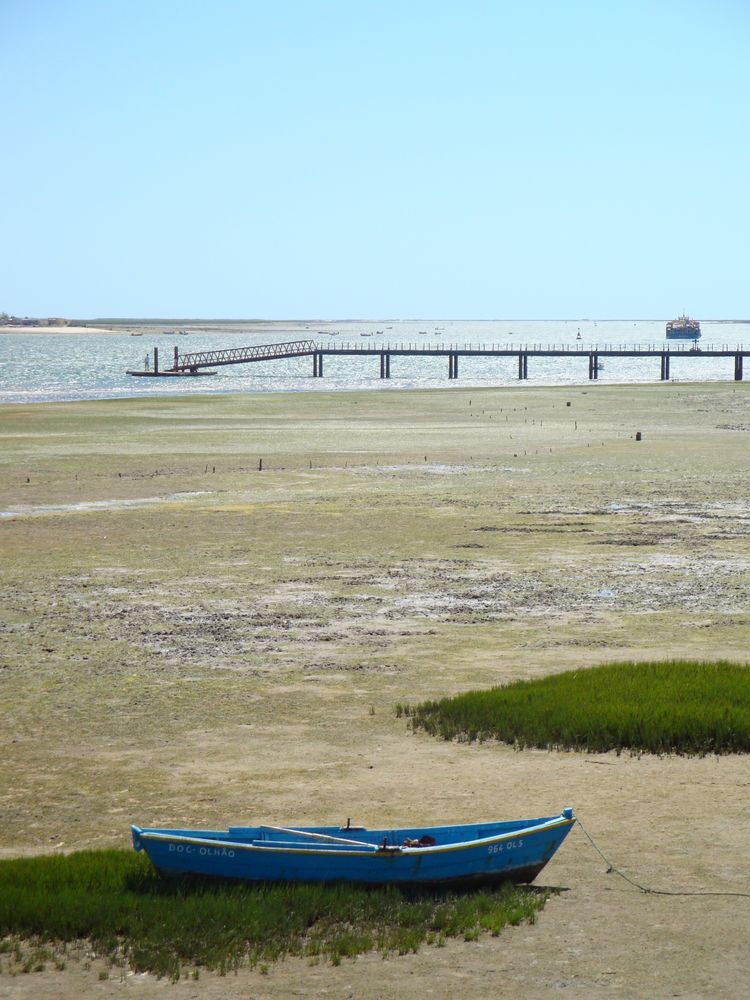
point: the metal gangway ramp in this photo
(241, 355)
(191, 364)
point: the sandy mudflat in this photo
(187, 640)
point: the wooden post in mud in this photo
(738, 367)
(175, 358)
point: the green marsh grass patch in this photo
(674, 706)
(129, 915)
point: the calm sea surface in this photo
(35, 367)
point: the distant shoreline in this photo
(157, 328)
(128, 326)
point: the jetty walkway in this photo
(196, 363)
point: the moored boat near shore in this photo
(438, 856)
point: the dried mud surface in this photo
(185, 639)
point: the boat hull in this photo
(462, 856)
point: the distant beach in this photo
(52, 331)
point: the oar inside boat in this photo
(321, 836)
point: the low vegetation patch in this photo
(675, 706)
(127, 915)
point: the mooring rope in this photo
(647, 889)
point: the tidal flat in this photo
(212, 605)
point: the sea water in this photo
(39, 367)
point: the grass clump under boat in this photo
(673, 706)
(129, 916)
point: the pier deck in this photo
(195, 362)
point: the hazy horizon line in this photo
(392, 319)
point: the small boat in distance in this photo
(439, 856)
(683, 327)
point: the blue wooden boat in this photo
(446, 856)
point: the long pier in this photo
(195, 363)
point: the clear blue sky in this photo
(289, 159)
